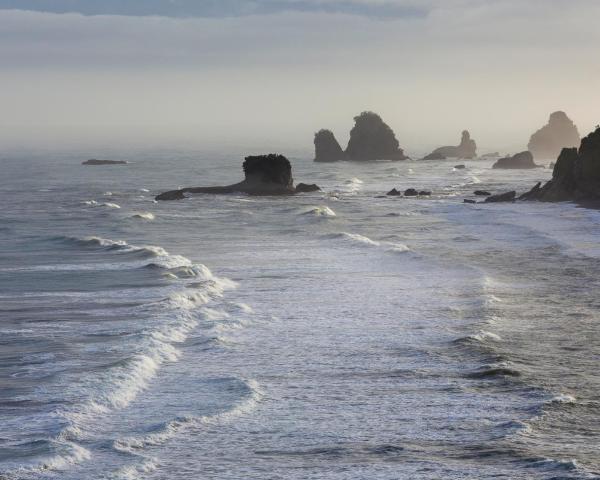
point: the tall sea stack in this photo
(559, 133)
(466, 149)
(327, 148)
(372, 139)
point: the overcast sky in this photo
(275, 71)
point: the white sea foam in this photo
(366, 241)
(563, 398)
(322, 211)
(144, 216)
(483, 336)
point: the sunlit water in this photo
(335, 335)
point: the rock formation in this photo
(559, 133)
(520, 160)
(327, 148)
(466, 149)
(265, 175)
(372, 139)
(576, 175)
(501, 197)
(93, 161)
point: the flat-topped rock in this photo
(372, 139)
(327, 148)
(560, 132)
(521, 160)
(265, 175)
(94, 161)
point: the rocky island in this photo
(327, 148)
(372, 139)
(93, 161)
(576, 175)
(521, 160)
(560, 132)
(466, 149)
(265, 175)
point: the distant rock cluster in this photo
(370, 139)
(466, 149)
(559, 133)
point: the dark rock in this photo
(306, 188)
(372, 139)
(491, 155)
(466, 149)
(424, 193)
(93, 161)
(503, 197)
(532, 193)
(265, 175)
(434, 156)
(468, 200)
(576, 175)
(560, 132)
(460, 167)
(521, 160)
(411, 192)
(482, 193)
(327, 148)
(393, 193)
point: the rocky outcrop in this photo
(559, 133)
(393, 193)
(372, 139)
(265, 175)
(307, 188)
(481, 193)
(576, 175)
(466, 149)
(327, 148)
(502, 197)
(520, 160)
(93, 161)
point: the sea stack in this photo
(372, 139)
(265, 175)
(327, 148)
(559, 133)
(576, 175)
(523, 160)
(466, 149)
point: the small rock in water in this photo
(411, 192)
(459, 167)
(482, 193)
(424, 193)
(305, 187)
(502, 197)
(393, 193)
(468, 200)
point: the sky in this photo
(272, 72)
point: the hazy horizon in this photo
(274, 72)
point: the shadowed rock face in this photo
(576, 174)
(521, 160)
(466, 149)
(559, 133)
(327, 148)
(372, 139)
(265, 175)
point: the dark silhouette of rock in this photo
(434, 156)
(560, 132)
(265, 175)
(393, 193)
(576, 175)
(468, 200)
(482, 193)
(93, 161)
(502, 197)
(307, 188)
(372, 139)
(466, 149)
(411, 192)
(459, 167)
(520, 160)
(327, 148)
(424, 193)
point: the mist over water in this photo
(326, 335)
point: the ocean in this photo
(330, 335)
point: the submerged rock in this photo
(265, 175)
(576, 175)
(560, 132)
(481, 193)
(468, 200)
(327, 148)
(306, 188)
(94, 161)
(460, 167)
(372, 139)
(466, 149)
(502, 197)
(520, 160)
(424, 193)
